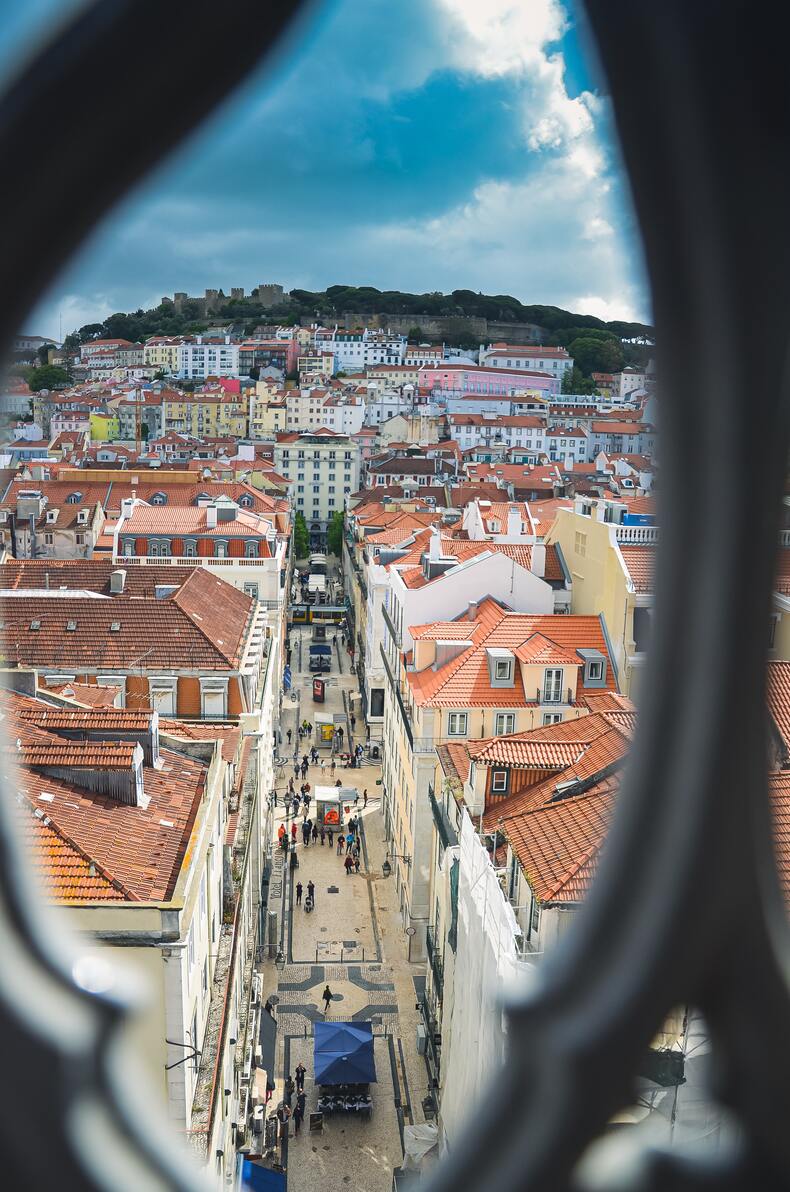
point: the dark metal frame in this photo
(698, 91)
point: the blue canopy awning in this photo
(262, 1179)
(343, 1053)
(321, 648)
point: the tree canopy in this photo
(334, 533)
(49, 376)
(301, 537)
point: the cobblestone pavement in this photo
(354, 942)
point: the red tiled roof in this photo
(203, 624)
(558, 845)
(465, 681)
(99, 755)
(640, 562)
(778, 694)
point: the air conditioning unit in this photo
(422, 1039)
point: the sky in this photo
(422, 145)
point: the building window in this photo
(552, 685)
(220, 550)
(49, 539)
(773, 622)
(552, 717)
(251, 590)
(594, 670)
(251, 550)
(502, 669)
(505, 723)
(535, 925)
(499, 781)
(456, 724)
(580, 544)
(163, 694)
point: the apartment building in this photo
(510, 430)
(457, 379)
(243, 546)
(163, 353)
(558, 361)
(33, 527)
(317, 408)
(610, 553)
(323, 470)
(148, 839)
(490, 672)
(185, 643)
(355, 351)
(210, 414)
(208, 357)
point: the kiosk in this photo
(331, 803)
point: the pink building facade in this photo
(456, 379)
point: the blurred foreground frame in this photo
(687, 907)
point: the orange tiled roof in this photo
(203, 624)
(86, 695)
(778, 693)
(99, 755)
(558, 845)
(640, 561)
(465, 681)
(136, 851)
(62, 868)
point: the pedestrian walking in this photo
(294, 860)
(289, 734)
(293, 831)
(349, 864)
(298, 1118)
(356, 797)
(342, 639)
(349, 842)
(300, 1074)
(353, 721)
(340, 842)
(296, 769)
(323, 835)
(305, 834)
(323, 764)
(356, 861)
(298, 893)
(340, 733)
(288, 1090)
(283, 1117)
(304, 769)
(365, 797)
(305, 760)
(315, 834)
(311, 891)
(301, 1098)
(327, 998)
(333, 767)
(295, 804)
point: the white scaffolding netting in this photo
(486, 966)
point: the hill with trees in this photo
(595, 344)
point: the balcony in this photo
(395, 687)
(432, 947)
(395, 633)
(636, 535)
(447, 833)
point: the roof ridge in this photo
(571, 872)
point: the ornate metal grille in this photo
(698, 91)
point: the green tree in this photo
(48, 377)
(574, 381)
(301, 537)
(416, 335)
(43, 353)
(334, 533)
(596, 355)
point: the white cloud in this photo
(606, 309)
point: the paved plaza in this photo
(353, 941)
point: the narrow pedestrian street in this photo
(353, 941)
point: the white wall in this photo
(490, 575)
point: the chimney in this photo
(568, 463)
(127, 507)
(471, 612)
(211, 516)
(434, 547)
(117, 581)
(538, 564)
(514, 524)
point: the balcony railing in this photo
(396, 635)
(636, 535)
(435, 960)
(395, 688)
(447, 833)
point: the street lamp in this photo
(386, 868)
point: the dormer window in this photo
(503, 669)
(594, 668)
(159, 499)
(73, 498)
(499, 782)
